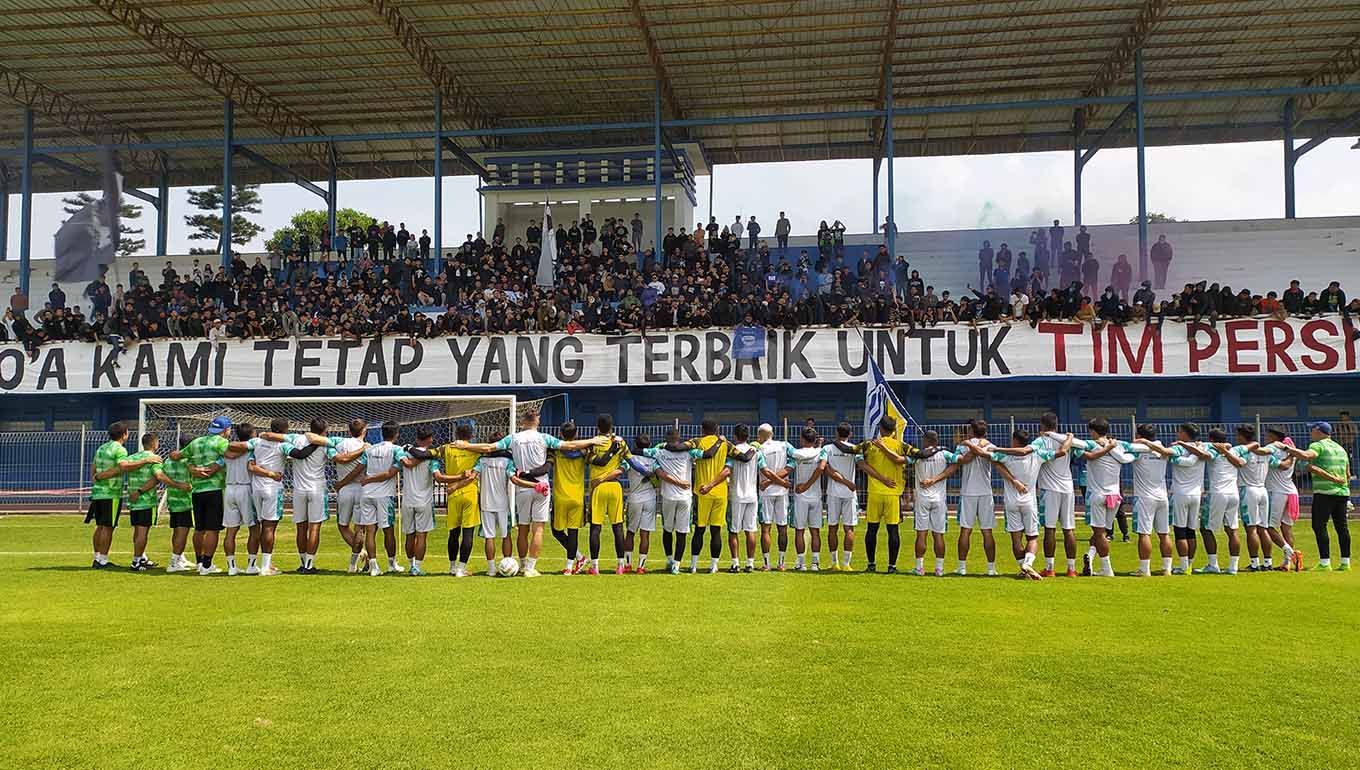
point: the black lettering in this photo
(145, 367)
(843, 346)
(718, 346)
(532, 358)
(375, 364)
(927, 336)
(567, 370)
(653, 353)
(54, 368)
(991, 351)
(623, 344)
(463, 356)
(103, 367)
(400, 367)
(342, 361)
(751, 363)
(495, 358)
(684, 360)
(957, 366)
(269, 346)
(772, 355)
(793, 356)
(301, 361)
(890, 351)
(17, 374)
(220, 364)
(192, 371)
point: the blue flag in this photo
(881, 401)
(748, 343)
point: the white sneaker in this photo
(397, 568)
(178, 567)
(960, 571)
(991, 573)
(816, 567)
(233, 572)
(213, 570)
(531, 572)
(713, 569)
(268, 572)
(375, 571)
(254, 570)
(460, 572)
(353, 568)
(453, 570)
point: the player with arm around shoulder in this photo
(107, 473)
(842, 508)
(349, 492)
(809, 464)
(747, 467)
(142, 482)
(933, 465)
(606, 493)
(773, 506)
(977, 506)
(1104, 456)
(1151, 507)
(1284, 499)
(418, 468)
(309, 453)
(641, 505)
(1019, 506)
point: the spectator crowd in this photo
(381, 280)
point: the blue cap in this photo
(1322, 427)
(219, 425)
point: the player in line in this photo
(1151, 508)
(746, 469)
(1223, 502)
(606, 493)
(1283, 499)
(181, 507)
(1020, 467)
(977, 507)
(141, 486)
(376, 473)
(311, 505)
(773, 494)
(1187, 492)
(1255, 501)
(493, 473)
(1327, 461)
(268, 452)
(641, 505)
(842, 507)
(420, 469)
(809, 464)
(463, 498)
(1103, 456)
(675, 469)
(710, 494)
(881, 458)
(348, 492)
(930, 513)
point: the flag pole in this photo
(869, 362)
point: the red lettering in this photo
(1059, 332)
(1309, 335)
(1119, 346)
(1097, 353)
(1277, 347)
(1237, 345)
(1348, 334)
(1197, 353)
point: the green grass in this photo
(112, 669)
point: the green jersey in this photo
(1331, 458)
(175, 500)
(203, 452)
(107, 457)
(140, 478)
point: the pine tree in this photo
(128, 243)
(245, 199)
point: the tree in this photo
(245, 199)
(313, 221)
(127, 246)
(1156, 218)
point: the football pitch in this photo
(113, 669)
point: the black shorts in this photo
(181, 519)
(143, 517)
(104, 513)
(208, 510)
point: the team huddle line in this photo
(512, 489)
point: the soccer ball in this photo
(507, 567)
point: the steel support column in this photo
(711, 173)
(228, 121)
(438, 245)
(332, 198)
(1078, 163)
(656, 164)
(1142, 165)
(878, 166)
(1290, 159)
(26, 206)
(163, 210)
(891, 152)
(4, 213)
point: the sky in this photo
(1198, 182)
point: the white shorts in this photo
(842, 511)
(377, 511)
(1255, 506)
(269, 505)
(675, 516)
(347, 504)
(1151, 515)
(977, 511)
(416, 518)
(1058, 509)
(642, 514)
(310, 507)
(742, 517)
(1277, 516)
(238, 506)
(1098, 513)
(930, 514)
(495, 524)
(807, 514)
(774, 510)
(1023, 517)
(531, 507)
(1185, 511)
(1222, 512)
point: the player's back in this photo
(377, 459)
(805, 462)
(1280, 477)
(707, 468)
(640, 489)
(417, 483)
(885, 466)
(776, 454)
(529, 449)
(745, 474)
(1054, 475)
(1102, 473)
(106, 458)
(238, 469)
(456, 462)
(309, 473)
(1253, 473)
(1149, 475)
(569, 475)
(841, 462)
(269, 456)
(932, 462)
(493, 483)
(1187, 472)
(676, 465)
(1222, 474)
(347, 445)
(977, 474)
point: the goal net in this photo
(489, 416)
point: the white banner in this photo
(1245, 347)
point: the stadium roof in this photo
(159, 71)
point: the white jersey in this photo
(930, 467)
(1280, 479)
(640, 488)
(1253, 474)
(1187, 472)
(776, 454)
(1102, 473)
(417, 484)
(805, 461)
(493, 483)
(347, 445)
(238, 469)
(1026, 470)
(269, 456)
(977, 475)
(844, 464)
(742, 484)
(529, 449)
(677, 465)
(1149, 471)
(1222, 474)
(309, 473)
(376, 459)
(1056, 474)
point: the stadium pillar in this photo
(1142, 165)
(163, 209)
(1290, 159)
(4, 213)
(228, 120)
(625, 411)
(891, 150)
(438, 177)
(1078, 128)
(1229, 403)
(656, 167)
(768, 409)
(332, 191)
(710, 194)
(878, 166)
(26, 205)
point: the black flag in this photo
(89, 239)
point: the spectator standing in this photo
(1083, 241)
(782, 228)
(1055, 238)
(1121, 276)
(1090, 271)
(404, 237)
(985, 256)
(752, 233)
(636, 225)
(18, 302)
(1161, 261)
(56, 298)
(425, 245)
